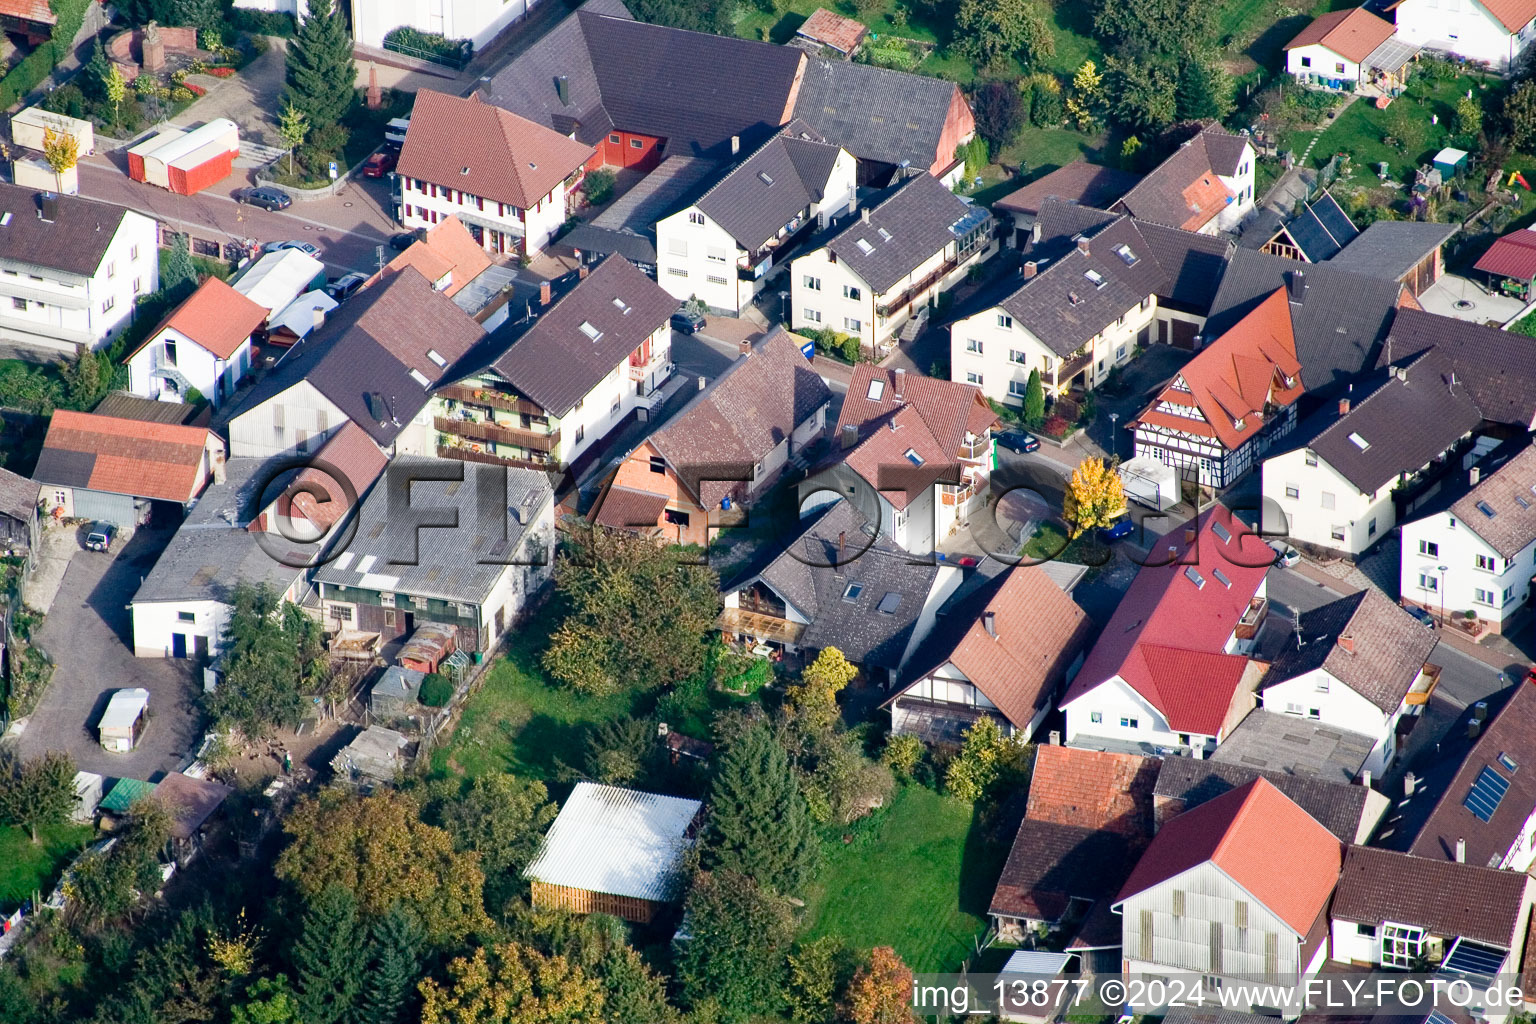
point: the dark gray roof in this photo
(907, 227)
(18, 495)
(1336, 806)
(1077, 182)
(1192, 265)
(664, 191)
(1390, 248)
(446, 562)
(1059, 221)
(1322, 229)
(807, 576)
(364, 357)
(877, 115)
(555, 363)
(757, 197)
(1405, 423)
(1339, 324)
(74, 241)
(1496, 366)
(1286, 744)
(398, 683)
(631, 245)
(125, 405)
(1257, 230)
(1162, 195)
(213, 550)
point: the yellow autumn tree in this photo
(1094, 497)
(813, 701)
(512, 984)
(62, 151)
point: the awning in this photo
(763, 627)
(1037, 962)
(1391, 56)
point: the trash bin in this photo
(479, 657)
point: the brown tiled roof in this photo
(103, 453)
(1352, 34)
(1513, 735)
(447, 248)
(469, 145)
(1444, 898)
(353, 454)
(1495, 366)
(215, 316)
(1184, 191)
(834, 30)
(18, 495)
(1237, 832)
(1051, 864)
(75, 241)
(1337, 806)
(746, 413)
(124, 405)
(29, 10)
(1365, 641)
(1093, 789)
(1509, 495)
(627, 508)
(190, 801)
(1078, 182)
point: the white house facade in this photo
(1322, 509)
(1468, 29)
(503, 228)
(476, 20)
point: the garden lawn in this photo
(918, 876)
(26, 868)
(521, 721)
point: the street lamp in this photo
(784, 306)
(1114, 436)
(1442, 592)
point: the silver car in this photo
(1285, 555)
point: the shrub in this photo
(263, 23)
(850, 348)
(751, 680)
(1056, 426)
(428, 45)
(902, 754)
(193, 396)
(436, 691)
(221, 72)
(182, 94)
(67, 100)
(599, 186)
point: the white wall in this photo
(477, 20)
(154, 622)
(1312, 523)
(695, 257)
(202, 369)
(605, 406)
(1318, 62)
(1338, 706)
(1441, 539)
(1462, 27)
(298, 419)
(1241, 185)
(1114, 700)
(535, 226)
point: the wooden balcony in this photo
(1424, 686)
(1253, 619)
(976, 450)
(901, 300)
(501, 435)
(470, 455)
(739, 622)
(491, 399)
(1072, 367)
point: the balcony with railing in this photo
(894, 304)
(480, 431)
(490, 398)
(1424, 686)
(976, 449)
(1073, 366)
(780, 244)
(463, 452)
(1252, 619)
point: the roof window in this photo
(764, 177)
(1072, 298)
(420, 378)
(1360, 442)
(864, 246)
(620, 304)
(464, 170)
(1508, 763)
(1124, 252)
(436, 356)
(1221, 578)
(1520, 500)
(590, 331)
(913, 457)
(1193, 575)
(1094, 278)
(889, 603)
(1222, 532)
(876, 390)
(852, 593)
(885, 236)
(1486, 509)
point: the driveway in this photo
(88, 634)
(250, 99)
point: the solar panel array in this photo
(1476, 960)
(1486, 792)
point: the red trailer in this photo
(186, 162)
(197, 170)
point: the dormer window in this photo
(590, 331)
(1094, 278)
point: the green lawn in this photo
(26, 868)
(1360, 129)
(918, 875)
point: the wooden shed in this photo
(614, 851)
(428, 646)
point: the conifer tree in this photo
(179, 277)
(395, 944)
(759, 825)
(1034, 400)
(327, 958)
(321, 76)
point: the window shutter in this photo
(1146, 935)
(1178, 903)
(1240, 913)
(277, 416)
(1215, 947)
(1271, 956)
(320, 421)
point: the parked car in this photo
(1285, 555)
(1121, 530)
(1017, 440)
(687, 322)
(402, 240)
(307, 248)
(265, 197)
(342, 287)
(381, 163)
(1423, 616)
(101, 536)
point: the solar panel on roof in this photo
(1473, 958)
(1483, 799)
(1334, 219)
(1311, 237)
(1438, 1018)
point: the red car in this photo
(380, 164)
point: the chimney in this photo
(1480, 711)
(1031, 268)
(901, 382)
(1082, 244)
(1401, 373)
(1410, 783)
(218, 467)
(1189, 535)
(842, 543)
(543, 293)
(563, 90)
(1474, 475)
(735, 145)
(1474, 729)
(864, 215)
(1365, 778)
(1348, 643)
(746, 347)
(1055, 738)
(1461, 851)
(1298, 289)
(702, 382)
(319, 317)
(1343, 407)
(989, 620)
(850, 436)
(47, 207)
(582, 272)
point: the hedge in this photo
(261, 23)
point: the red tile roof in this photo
(834, 30)
(469, 145)
(353, 454)
(215, 316)
(105, 453)
(1094, 789)
(447, 248)
(629, 508)
(1352, 34)
(1514, 255)
(1167, 637)
(29, 10)
(1258, 838)
(1514, 15)
(1247, 370)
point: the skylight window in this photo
(1124, 252)
(1221, 578)
(889, 603)
(913, 457)
(876, 390)
(590, 331)
(436, 357)
(420, 378)
(852, 593)
(1508, 763)
(1520, 500)
(764, 177)
(885, 236)
(1486, 794)
(1094, 278)
(864, 246)
(1360, 442)
(1193, 575)
(1486, 509)
(620, 304)
(1222, 532)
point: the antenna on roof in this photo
(1296, 625)
(1451, 387)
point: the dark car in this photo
(380, 164)
(402, 240)
(264, 197)
(1017, 440)
(100, 537)
(1124, 528)
(688, 322)
(343, 287)
(1422, 615)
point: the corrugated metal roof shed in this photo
(616, 841)
(1036, 962)
(124, 794)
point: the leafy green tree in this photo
(621, 752)
(1034, 400)
(738, 935)
(1001, 110)
(1158, 26)
(292, 128)
(1141, 91)
(116, 89)
(992, 31)
(842, 785)
(1469, 117)
(758, 824)
(320, 74)
(102, 885)
(987, 760)
(1205, 90)
(37, 792)
(637, 613)
(94, 81)
(268, 1001)
(812, 703)
(201, 14)
(631, 990)
(327, 957)
(512, 984)
(178, 276)
(1405, 130)
(502, 818)
(1520, 112)
(270, 650)
(87, 376)
(712, 16)
(818, 971)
